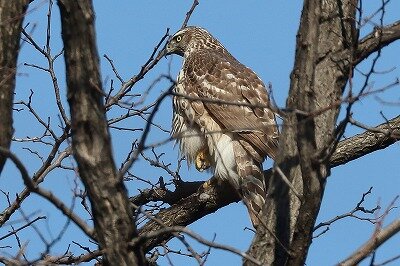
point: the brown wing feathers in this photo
(256, 125)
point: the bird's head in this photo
(190, 39)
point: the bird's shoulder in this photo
(219, 68)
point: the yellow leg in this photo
(207, 183)
(202, 161)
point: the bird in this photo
(222, 116)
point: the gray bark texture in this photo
(11, 16)
(326, 44)
(113, 218)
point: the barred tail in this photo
(252, 184)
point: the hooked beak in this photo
(171, 48)
(165, 51)
(168, 50)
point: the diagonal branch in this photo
(372, 244)
(189, 13)
(188, 210)
(377, 138)
(182, 190)
(376, 40)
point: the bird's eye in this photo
(179, 38)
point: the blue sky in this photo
(261, 34)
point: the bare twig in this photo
(113, 68)
(189, 13)
(22, 227)
(151, 62)
(47, 194)
(144, 136)
(373, 243)
(181, 229)
(357, 208)
(388, 261)
(49, 165)
(46, 52)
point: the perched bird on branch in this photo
(222, 117)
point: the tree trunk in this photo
(113, 218)
(326, 43)
(11, 16)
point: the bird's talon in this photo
(207, 184)
(202, 161)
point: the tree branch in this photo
(113, 218)
(47, 194)
(376, 40)
(11, 16)
(372, 244)
(182, 190)
(188, 210)
(189, 13)
(367, 142)
(181, 229)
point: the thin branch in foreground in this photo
(13, 232)
(47, 194)
(39, 176)
(180, 229)
(388, 261)
(357, 208)
(142, 141)
(287, 182)
(148, 65)
(372, 244)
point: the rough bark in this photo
(113, 218)
(324, 51)
(373, 139)
(376, 40)
(188, 210)
(11, 16)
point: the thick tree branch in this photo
(113, 218)
(183, 190)
(325, 46)
(376, 40)
(188, 210)
(11, 16)
(362, 144)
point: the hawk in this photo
(221, 115)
